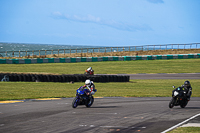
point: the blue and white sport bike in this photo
(82, 98)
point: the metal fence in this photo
(98, 50)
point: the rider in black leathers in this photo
(187, 87)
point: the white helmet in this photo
(87, 82)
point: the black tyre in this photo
(33, 78)
(183, 104)
(89, 104)
(66, 78)
(52, 78)
(14, 76)
(20, 78)
(55, 78)
(59, 78)
(171, 103)
(24, 77)
(75, 102)
(28, 77)
(11, 77)
(48, 78)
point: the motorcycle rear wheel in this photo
(171, 103)
(85, 73)
(75, 102)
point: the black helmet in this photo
(187, 83)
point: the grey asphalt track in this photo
(166, 76)
(126, 115)
(162, 76)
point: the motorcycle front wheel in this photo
(89, 103)
(75, 102)
(183, 104)
(171, 103)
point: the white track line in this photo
(180, 123)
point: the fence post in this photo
(6, 53)
(87, 50)
(172, 46)
(45, 52)
(58, 52)
(26, 53)
(19, 53)
(64, 51)
(32, 52)
(13, 53)
(52, 52)
(99, 49)
(76, 51)
(93, 50)
(70, 51)
(105, 49)
(117, 49)
(129, 49)
(123, 49)
(39, 52)
(111, 49)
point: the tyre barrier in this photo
(15, 77)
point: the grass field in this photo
(109, 67)
(186, 130)
(134, 88)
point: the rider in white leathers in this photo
(90, 86)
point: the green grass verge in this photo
(109, 67)
(186, 130)
(134, 88)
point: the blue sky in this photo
(100, 22)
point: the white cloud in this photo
(97, 20)
(57, 14)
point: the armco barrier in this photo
(96, 59)
(14, 77)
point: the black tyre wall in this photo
(64, 78)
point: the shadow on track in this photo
(105, 107)
(192, 107)
(187, 108)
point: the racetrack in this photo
(165, 76)
(118, 114)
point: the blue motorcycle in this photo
(82, 98)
